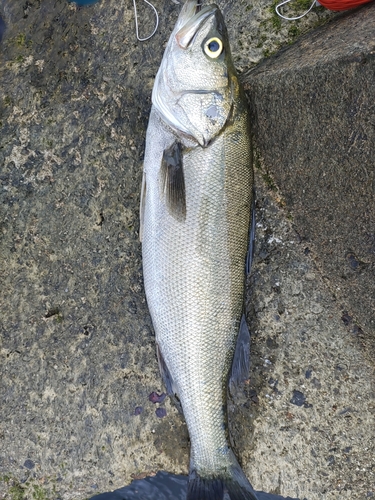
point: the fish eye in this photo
(213, 47)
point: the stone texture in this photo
(77, 346)
(313, 110)
(313, 431)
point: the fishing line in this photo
(293, 18)
(136, 21)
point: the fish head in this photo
(195, 86)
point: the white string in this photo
(136, 21)
(292, 18)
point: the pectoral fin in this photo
(172, 182)
(241, 358)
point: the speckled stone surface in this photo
(314, 422)
(77, 349)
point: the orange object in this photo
(328, 4)
(342, 4)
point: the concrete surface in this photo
(314, 423)
(77, 349)
(313, 109)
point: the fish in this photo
(195, 217)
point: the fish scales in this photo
(194, 279)
(194, 250)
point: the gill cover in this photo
(193, 88)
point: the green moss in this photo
(59, 318)
(276, 22)
(266, 53)
(30, 489)
(275, 18)
(269, 181)
(293, 31)
(256, 160)
(20, 59)
(21, 39)
(16, 492)
(39, 493)
(262, 39)
(303, 4)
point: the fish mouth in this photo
(190, 20)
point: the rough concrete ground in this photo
(77, 348)
(314, 422)
(313, 121)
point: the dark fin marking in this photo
(250, 251)
(173, 182)
(168, 380)
(233, 485)
(142, 206)
(241, 358)
(201, 488)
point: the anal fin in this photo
(168, 380)
(241, 359)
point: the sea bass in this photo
(195, 216)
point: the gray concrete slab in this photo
(313, 118)
(313, 427)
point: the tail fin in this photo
(232, 485)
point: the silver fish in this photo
(195, 215)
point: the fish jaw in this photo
(189, 10)
(185, 34)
